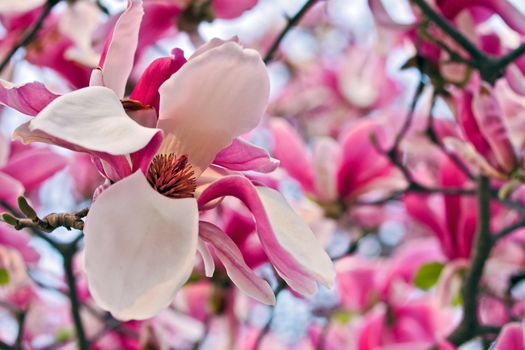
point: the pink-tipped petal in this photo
(117, 62)
(510, 338)
(291, 151)
(233, 261)
(140, 248)
(215, 97)
(28, 98)
(243, 156)
(490, 116)
(286, 239)
(93, 118)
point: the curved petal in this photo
(243, 156)
(34, 166)
(215, 97)
(92, 118)
(291, 151)
(117, 61)
(510, 338)
(28, 98)
(236, 268)
(326, 157)
(207, 258)
(287, 240)
(10, 190)
(140, 248)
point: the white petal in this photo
(296, 237)
(93, 118)
(215, 97)
(140, 248)
(209, 263)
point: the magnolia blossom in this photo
(143, 230)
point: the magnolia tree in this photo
(214, 174)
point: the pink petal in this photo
(160, 70)
(291, 151)
(469, 154)
(28, 98)
(18, 240)
(92, 118)
(515, 78)
(215, 97)
(236, 268)
(243, 156)
(228, 9)
(505, 9)
(286, 239)
(326, 160)
(383, 18)
(117, 61)
(207, 258)
(35, 166)
(140, 248)
(488, 114)
(510, 338)
(10, 189)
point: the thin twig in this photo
(30, 34)
(289, 25)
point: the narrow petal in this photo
(34, 166)
(117, 61)
(236, 268)
(207, 258)
(243, 156)
(92, 118)
(384, 19)
(140, 248)
(489, 114)
(327, 157)
(286, 239)
(291, 151)
(28, 98)
(215, 97)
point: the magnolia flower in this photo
(143, 230)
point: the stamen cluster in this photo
(172, 176)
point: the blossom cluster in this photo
(341, 177)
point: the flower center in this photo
(172, 176)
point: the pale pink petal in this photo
(28, 98)
(291, 151)
(287, 240)
(211, 44)
(326, 160)
(207, 258)
(243, 156)
(236, 268)
(92, 118)
(490, 116)
(469, 154)
(516, 79)
(34, 166)
(228, 9)
(384, 19)
(10, 6)
(117, 62)
(215, 97)
(510, 338)
(140, 248)
(18, 240)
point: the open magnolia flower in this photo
(143, 230)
